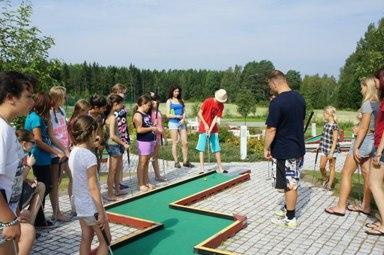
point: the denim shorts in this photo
(176, 126)
(213, 142)
(366, 148)
(115, 150)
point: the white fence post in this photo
(313, 129)
(243, 142)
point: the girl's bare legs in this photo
(376, 178)
(140, 172)
(332, 173)
(367, 195)
(349, 168)
(37, 201)
(155, 163)
(54, 194)
(175, 139)
(65, 167)
(112, 171)
(116, 178)
(184, 143)
(323, 165)
(87, 234)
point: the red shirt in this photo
(211, 108)
(379, 128)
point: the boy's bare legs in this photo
(201, 156)
(219, 165)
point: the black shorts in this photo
(287, 173)
(43, 174)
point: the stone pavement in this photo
(318, 232)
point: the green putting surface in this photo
(313, 139)
(182, 230)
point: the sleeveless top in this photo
(176, 109)
(146, 123)
(108, 139)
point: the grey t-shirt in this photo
(370, 107)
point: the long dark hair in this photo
(380, 76)
(112, 98)
(43, 104)
(154, 98)
(170, 94)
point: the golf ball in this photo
(205, 179)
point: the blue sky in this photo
(308, 36)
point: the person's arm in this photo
(361, 133)
(112, 125)
(8, 217)
(201, 118)
(214, 121)
(270, 134)
(139, 125)
(94, 191)
(42, 145)
(160, 123)
(335, 136)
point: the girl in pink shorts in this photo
(146, 138)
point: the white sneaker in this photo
(284, 222)
(281, 213)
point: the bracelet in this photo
(9, 224)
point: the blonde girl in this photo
(329, 146)
(360, 152)
(86, 189)
(59, 129)
(115, 146)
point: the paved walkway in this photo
(318, 232)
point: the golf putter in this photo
(104, 235)
(314, 167)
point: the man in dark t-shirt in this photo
(284, 143)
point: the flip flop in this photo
(374, 232)
(357, 208)
(372, 225)
(330, 211)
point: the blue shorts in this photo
(213, 142)
(176, 126)
(115, 150)
(366, 148)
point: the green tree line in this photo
(24, 48)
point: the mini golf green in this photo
(314, 139)
(182, 229)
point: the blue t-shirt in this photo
(176, 109)
(32, 121)
(287, 114)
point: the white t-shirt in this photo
(80, 160)
(11, 154)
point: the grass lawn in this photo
(357, 185)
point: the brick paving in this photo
(317, 233)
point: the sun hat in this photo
(221, 95)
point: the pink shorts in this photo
(145, 148)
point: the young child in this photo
(81, 107)
(115, 146)
(329, 146)
(33, 191)
(86, 189)
(209, 115)
(122, 124)
(58, 123)
(157, 122)
(145, 133)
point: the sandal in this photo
(143, 188)
(150, 186)
(373, 225)
(375, 232)
(357, 208)
(330, 210)
(161, 179)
